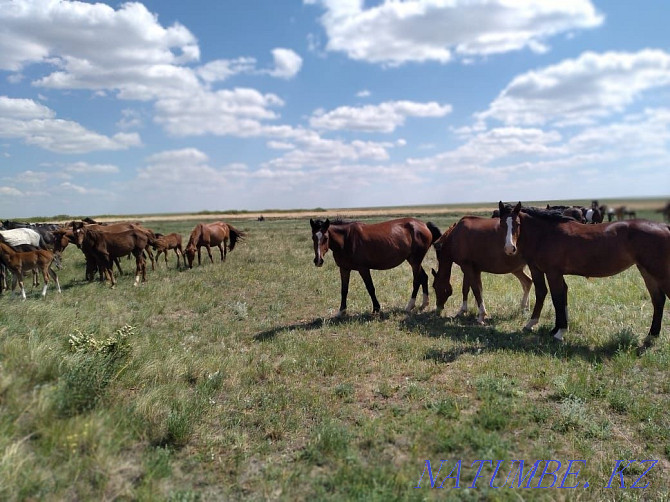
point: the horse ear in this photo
(325, 225)
(517, 208)
(433, 271)
(501, 207)
(312, 223)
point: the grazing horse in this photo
(217, 234)
(164, 243)
(20, 262)
(101, 247)
(380, 246)
(559, 247)
(471, 243)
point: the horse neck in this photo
(338, 234)
(195, 235)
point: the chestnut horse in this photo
(380, 246)
(557, 247)
(217, 234)
(471, 243)
(20, 262)
(164, 243)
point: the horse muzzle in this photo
(318, 262)
(510, 250)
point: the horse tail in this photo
(235, 235)
(435, 232)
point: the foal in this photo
(164, 243)
(19, 262)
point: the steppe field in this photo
(234, 381)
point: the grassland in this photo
(234, 382)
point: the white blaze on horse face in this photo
(589, 216)
(510, 245)
(319, 258)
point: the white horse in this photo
(18, 236)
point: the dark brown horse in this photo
(557, 247)
(380, 246)
(164, 243)
(219, 234)
(101, 247)
(472, 243)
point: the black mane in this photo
(538, 212)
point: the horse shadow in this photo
(473, 337)
(488, 338)
(319, 322)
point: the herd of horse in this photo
(551, 242)
(24, 250)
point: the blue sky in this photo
(119, 108)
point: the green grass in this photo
(235, 382)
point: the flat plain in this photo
(234, 381)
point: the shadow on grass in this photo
(319, 322)
(479, 339)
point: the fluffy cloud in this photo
(287, 64)
(580, 90)
(86, 168)
(385, 117)
(79, 34)
(237, 112)
(420, 30)
(36, 125)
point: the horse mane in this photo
(555, 215)
(336, 221)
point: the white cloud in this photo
(287, 63)
(394, 32)
(79, 34)
(237, 112)
(384, 117)
(10, 192)
(363, 94)
(580, 90)
(222, 69)
(86, 168)
(36, 125)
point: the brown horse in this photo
(101, 247)
(558, 247)
(380, 246)
(471, 243)
(164, 243)
(20, 262)
(217, 234)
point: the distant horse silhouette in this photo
(217, 234)
(472, 244)
(556, 247)
(380, 246)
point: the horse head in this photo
(320, 239)
(510, 222)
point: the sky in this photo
(164, 107)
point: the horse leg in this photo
(54, 276)
(367, 279)
(45, 274)
(118, 265)
(416, 283)
(222, 250)
(344, 291)
(151, 258)
(465, 290)
(209, 252)
(559, 297)
(526, 283)
(225, 250)
(540, 295)
(424, 288)
(658, 291)
(477, 292)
